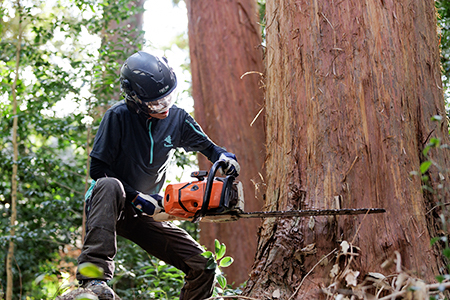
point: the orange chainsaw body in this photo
(185, 199)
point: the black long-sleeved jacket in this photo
(136, 150)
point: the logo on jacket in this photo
(168, 142)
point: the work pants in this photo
(108, 214)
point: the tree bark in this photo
(224, 41)
(351, 89)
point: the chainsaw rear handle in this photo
(208, 188)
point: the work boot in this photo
(100, 288)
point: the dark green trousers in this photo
(109, 214)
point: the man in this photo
(128, 165)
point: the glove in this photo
(148, 204)
(232, 167)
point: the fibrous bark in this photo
(351, 89)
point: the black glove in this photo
(232, 167)
(148, 204)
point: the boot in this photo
(100, 288)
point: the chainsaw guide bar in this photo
(303, 213)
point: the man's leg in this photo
(174, 246)
(199, 281)
(102, 211)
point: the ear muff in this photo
(128, 92)
(125, 85)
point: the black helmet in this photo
(146, 78)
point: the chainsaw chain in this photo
(307, 212)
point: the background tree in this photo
(224, 42)
(59, 78)
(351, 90)
(10, 255)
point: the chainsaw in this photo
(221, 199)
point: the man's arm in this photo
(196, 140)
(213, 152)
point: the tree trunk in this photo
(12, 231)
(224, 41)
(351, 89)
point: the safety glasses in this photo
(160, 106)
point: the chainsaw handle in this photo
(208, 188)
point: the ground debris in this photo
(376, 286)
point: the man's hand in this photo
(232, 167)
(148, 204)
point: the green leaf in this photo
(222, 281)
(221, 251)
(427, 188)
(207, 254)
(446, 252)
(86, 296)
(216, 246)
(435, 142)
(90, 270)
(39, 278)
(434, 240)
(226, 262)
(436, 118)
(211, 264)
(425, 166)
(441, 278)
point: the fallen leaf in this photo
(350, 277)
(276, 294)
(345, 246)
(334, 271)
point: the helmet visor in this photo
(160, 106)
